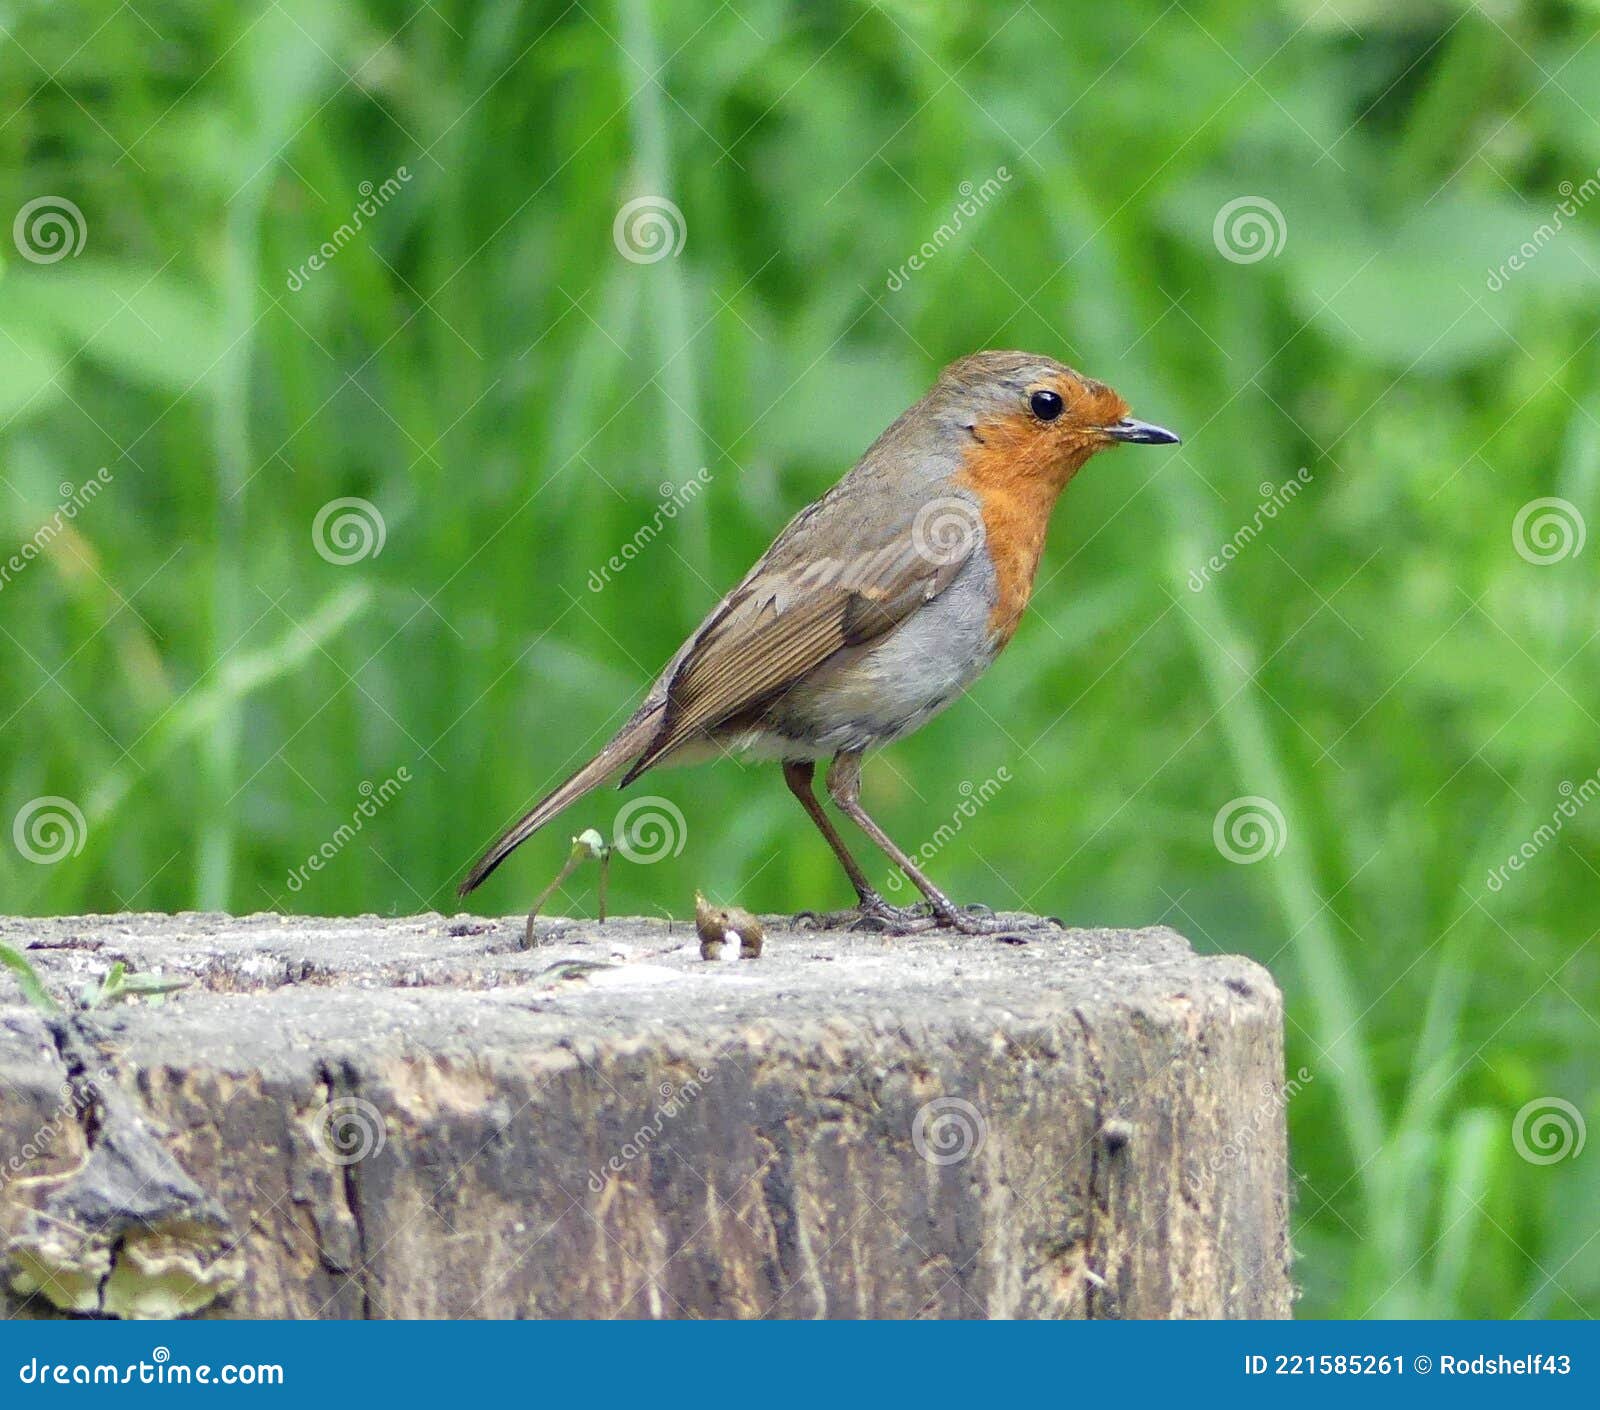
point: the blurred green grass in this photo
(481, 365)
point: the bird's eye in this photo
(1046, 405)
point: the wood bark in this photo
(416, 1118)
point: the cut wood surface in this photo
(375, 1117)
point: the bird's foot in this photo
(877, 915)
(874, 914)
(981, 920)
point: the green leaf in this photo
(141, 984)
(119, 985)
(92, 996)
(28, 369)
(1438, 293)
(1472, 1153)
(28, 981)
(149, 328)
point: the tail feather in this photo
(628, 744)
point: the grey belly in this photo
(873, 694)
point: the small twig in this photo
(585, 845)
(53, 1177)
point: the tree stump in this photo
(417, 1118)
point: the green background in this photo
(1407, 689)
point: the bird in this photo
(875, 608)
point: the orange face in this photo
(1031, 442)
(1059, 420)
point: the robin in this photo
(876, 607)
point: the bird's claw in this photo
(878, 916)
(874, 914)
(982, 920)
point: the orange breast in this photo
(1015, 496)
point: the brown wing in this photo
(793, 612)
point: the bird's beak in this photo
(1141, 433)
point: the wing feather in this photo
(786, 618)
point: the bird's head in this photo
(1037, 414)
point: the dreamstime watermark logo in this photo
(373, 199)
(1249, 829)
(48, 829)
(1547, 530)
(347, 1130)
(973, 199)
(1267, 1114)
(649, 830)
(972, 799)
(1573, 797)
(1547, 1130)
(1273, 498)
(1574, 199)
(649, 229)
(675, 1100)
(1249, 229)
(159, 1370)
(347, 530)
(49, 228)
(73, 499)
(946, 530)
(673, 498)
(373, 798)
(73, 1099)
(948, 1130)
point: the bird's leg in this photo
(798, 774)
(844, 787)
